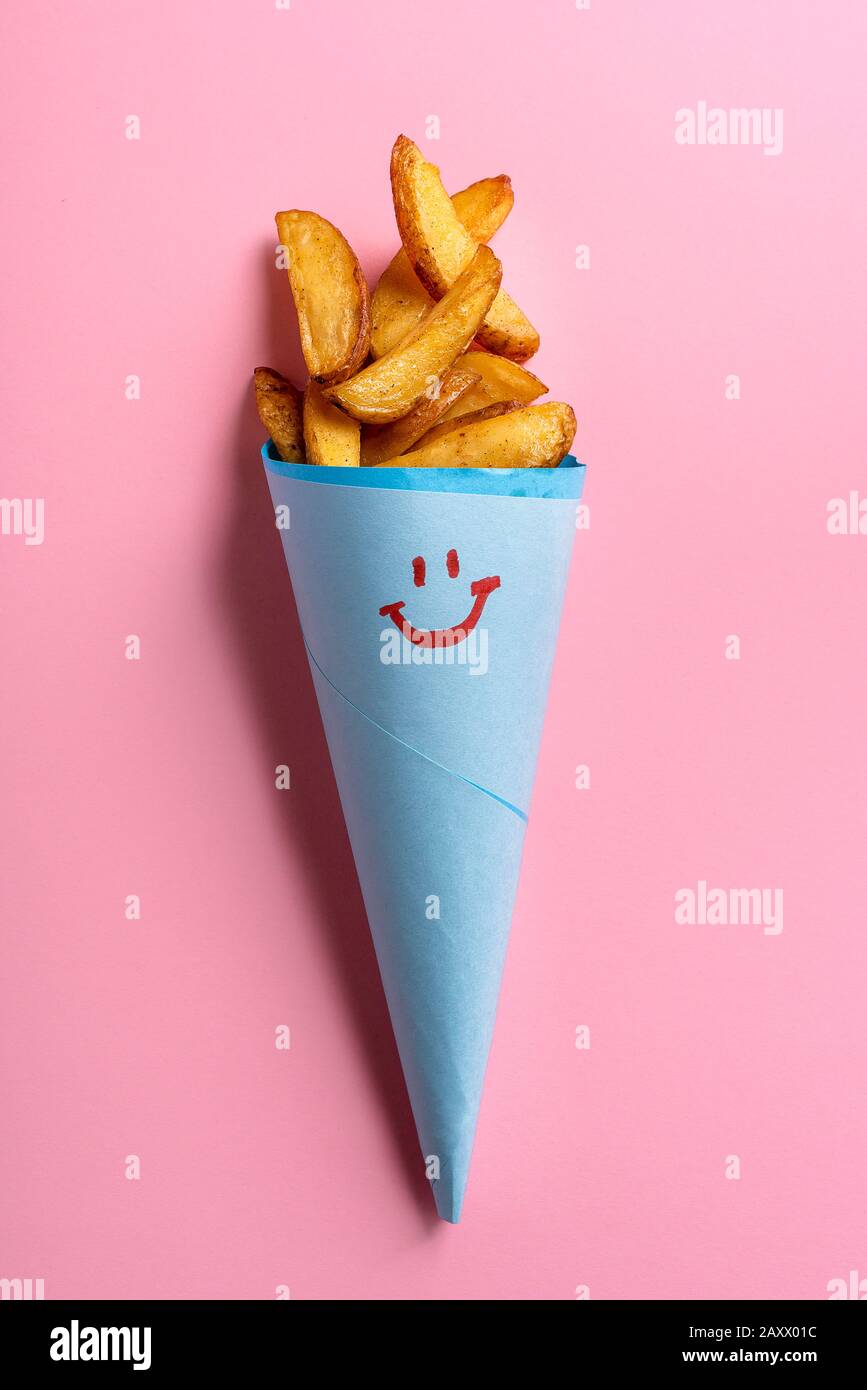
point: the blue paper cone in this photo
(430, 603)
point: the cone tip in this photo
(449, 1198)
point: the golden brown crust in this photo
(392, 385)
(400, 300)
(280, 410)
(382, 442)
(439, 248)
(331, 438)
(472, 417)
(536, 436)
(331, 296)
(502, 380)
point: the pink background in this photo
(603, 1167)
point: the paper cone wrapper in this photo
(433, 746)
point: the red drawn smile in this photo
(441, 636)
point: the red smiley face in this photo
(441, 636)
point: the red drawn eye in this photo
(418, 571)
(453, 564)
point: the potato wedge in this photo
(439, 248)
(475, 399)
(536, 436)
(400, 300)
(501, 380)
(331, 437)
(483, 206)
(472, 417)
(279, 407)
(394, 383)
(382, 442)
(330, 293)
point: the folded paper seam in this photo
(522, 815)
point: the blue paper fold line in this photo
(522, 815)
(433, 748)
(566, 480)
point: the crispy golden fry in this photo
(483, 206)
(472, 417)
(439, 247)
(536, 436)
(501, 380)
(400, 300)
(394, 383)
(330, 293)
(279, 407)
(330, 436)
(382, 442)
(475, 399)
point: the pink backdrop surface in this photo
(608, 1168)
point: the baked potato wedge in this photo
(379, 443)
(330, 437)
(483, 206)
(501, 380)
(330, 293)
(389, 387)
(472, 417)
(439, 248)
(400, 300)
(536, 436)
(280, 410)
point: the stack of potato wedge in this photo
(428, 373)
